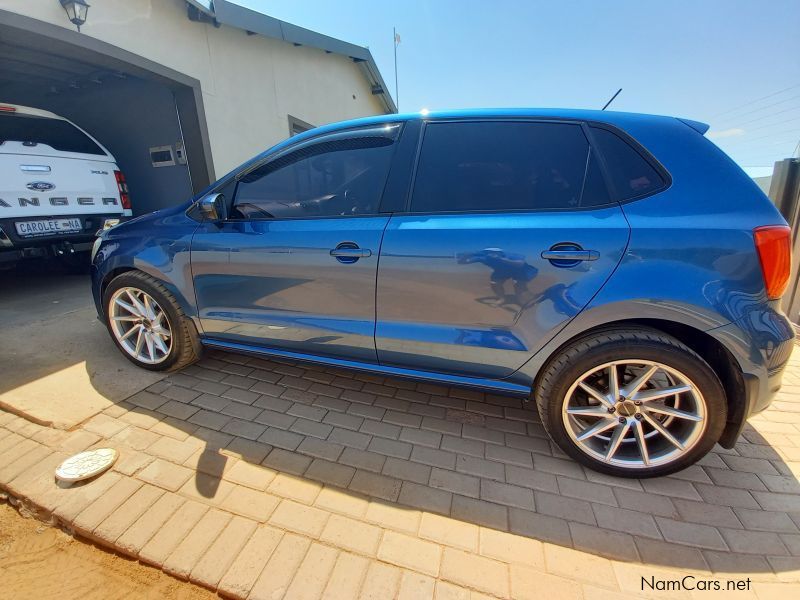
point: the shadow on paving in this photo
(480, 458)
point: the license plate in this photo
(48, 226)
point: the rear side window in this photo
(56, 133)
(500, 166)
(631, 175)
(336, 178)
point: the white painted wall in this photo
(249, 83)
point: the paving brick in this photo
(349, 438)
(420, 437)
(312, 575)
(474, 432)
(381, 582)
(189, 551)
(628, 521)
(342, 502)
(778, 502)
(320, 449)
(210, 419)
(280, 438)
(143, 529)
(410, 552)
(349, 534)
(558, 466)
(362, 459)
(171, 533)
(391, 516)
(208, 571)
(245, 429)
(241, 411)
(178, 394)
(295, 488)
(669, 554)
(706, 514)
(571, 509)
(147, 400)
(286, 462)
(643, 502)
(576, 565)
(299, 518)
(761, 520)
(415, 586)
(330, 472)
(380, 429)
(346, 577)
(115, 524)
(104, 426)
(458, 483)
(378, 486)
(243, 397)
(480, 467)
(249, 563)
(206, 488)
(541, 527)
(507, 455)
(508, 495)
(425, 498)
(754, 542)
(510, 548)
(390, 447)
(165, 475)
(441, 425)
(450, 532)
(480, 512)
(602, 542)
(343, 420)
(669, 486)
(406, 470)
(736, 479)
(280, 568)
(250, 503)
(529, 584)
(210, 402)
(176, 451)
(476, 572)
(585, 490)
(691, 534)
(250, 475)
(94, 514)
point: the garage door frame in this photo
(186, 89)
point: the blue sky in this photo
(732, 64)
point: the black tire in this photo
(185, 348)
(604, 346)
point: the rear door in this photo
(509, 233)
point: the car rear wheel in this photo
(631, 403)
(147, 323)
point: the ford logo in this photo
(40, 186)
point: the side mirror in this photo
(213, 207)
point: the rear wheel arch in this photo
(718, 357)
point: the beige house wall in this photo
(250, 84)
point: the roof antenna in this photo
(612, 99)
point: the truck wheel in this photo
(147, 324)
(631, 402)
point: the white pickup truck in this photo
(58, 187)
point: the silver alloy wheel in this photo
(634, 413)
(140, 325)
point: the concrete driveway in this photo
(269, 479)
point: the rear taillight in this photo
(123, 190)
(6, 108)
(774, 246)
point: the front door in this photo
(295, 266)
(510, 233)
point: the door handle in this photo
(351, 252)
(571, 255)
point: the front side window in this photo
(494, 166)
(342, 177)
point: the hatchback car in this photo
(617, 269)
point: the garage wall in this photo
(249, 83)
(128, 117)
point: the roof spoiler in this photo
(699, 127)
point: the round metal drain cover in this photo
(86, 464)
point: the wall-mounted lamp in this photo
(76, 11)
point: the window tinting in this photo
(337, 178)
(500, 166)
(595, 190)
(56, 133)
(631, 175)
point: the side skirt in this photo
(492, 385)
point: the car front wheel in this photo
(147, 323)
(631, 403)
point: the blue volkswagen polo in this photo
(617, 269)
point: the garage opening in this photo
(149, 118)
